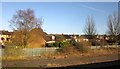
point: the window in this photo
(2, 38)
(7, 39)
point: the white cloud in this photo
(94, 9)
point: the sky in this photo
(60, 0)
(62, 17)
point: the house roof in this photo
(6, 33)
(42, 34)
(67, 36)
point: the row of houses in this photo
(52, 38)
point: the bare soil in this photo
(59, 61)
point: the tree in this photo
(90, 26)
(113, 24)
(23, 22)
(113, 28)
(16, 38)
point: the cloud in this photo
(94, 9)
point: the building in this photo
(5, 36)
(81, 39)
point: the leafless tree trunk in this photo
(89, 28)
(113, 27)
(113, 24)
(24, 21)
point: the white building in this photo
(5, 36)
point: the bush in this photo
(64, 43)
(49, 45)
(56, 44)
(66, 47)
(83, 47)
(13, 51)
(95, 43)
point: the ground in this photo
(62, 60)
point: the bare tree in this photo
(113, 24)
(89, 28)
(24, 21)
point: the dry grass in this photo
(13, 58)
(71, 51)
(99, 52)
(58, 55)
(53, 65)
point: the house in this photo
(81, 39)
(96, 39)
(50, 39)
(67, 37)
(5, 36)
(37, 38)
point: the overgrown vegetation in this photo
(73, 47)
(66, 47)
(56, 44)
(83, 47)
(13, 51)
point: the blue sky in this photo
(60, 0)
(63, 17)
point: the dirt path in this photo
(58, 62)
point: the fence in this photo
(106, 46)
(27, 51)
(39, 51)
(0, 52)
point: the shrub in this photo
(56, 44)
(50, 45)
(67, 47)
(95, 43)
(83, 47)
(13, 51)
